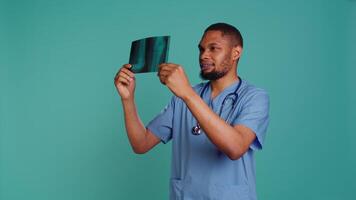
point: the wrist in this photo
(188, 95)
(127, 100)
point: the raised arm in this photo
(141, 139)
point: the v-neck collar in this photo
(217, 101)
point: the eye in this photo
(214, 48)
(200, 49)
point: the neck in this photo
(219, 85)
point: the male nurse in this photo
(215, 126)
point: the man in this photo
(215, 127)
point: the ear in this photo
(236, 52)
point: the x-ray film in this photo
(146, 54)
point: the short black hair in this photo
(227, 29)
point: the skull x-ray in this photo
(146, 54)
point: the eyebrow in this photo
(210, 44)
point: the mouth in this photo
(206, 66)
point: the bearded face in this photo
(215, 56)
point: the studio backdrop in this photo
(61, 120)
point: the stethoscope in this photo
(196, 130)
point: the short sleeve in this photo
(162, 124)
(255, 115)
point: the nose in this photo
(204, 54)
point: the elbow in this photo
(234, 153)
(236, 150)
(138, 150)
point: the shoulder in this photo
(251, 92)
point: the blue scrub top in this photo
(199, 170)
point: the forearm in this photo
(223, 135)
(135, 129)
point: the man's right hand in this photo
(125, 82)
(141, 139)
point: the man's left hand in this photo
(173, 76)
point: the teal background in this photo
(61, 121)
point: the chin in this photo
(212, 75)
(208, 76)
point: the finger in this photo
(118, 76)
(169, 69)
(162, 79)
(164, 66)
(124, 75)
(169, 64)
(164, 73)
(128, 72)
(123, 81)
(127, 66)
(120, 73)
(167, 72)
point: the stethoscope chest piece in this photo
(196, 130)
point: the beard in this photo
(213, 75)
